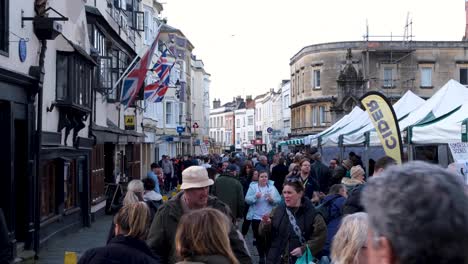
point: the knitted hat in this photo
(347, 163)
(356, 171)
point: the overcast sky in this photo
(246, 45)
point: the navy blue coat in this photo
(336, 215)
(120, 250)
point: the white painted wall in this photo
(286, 111)
(12, 61)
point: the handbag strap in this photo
(297, 230)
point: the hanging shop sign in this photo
(129, 122)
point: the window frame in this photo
(5, 18)
(385, 81)
(77, 92)
(168, 121)
(250, 120)
(322, 115)
(466, 75)
(425, 69)
(317, 81)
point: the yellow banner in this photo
(385, 122)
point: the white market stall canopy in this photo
(403, 107)
(309, 140)
(340, 124)
(445, 129)
(446, 99)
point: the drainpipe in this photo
(39, 71)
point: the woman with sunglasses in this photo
(293, 226)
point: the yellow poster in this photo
(385, 123)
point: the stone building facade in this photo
(328, 79)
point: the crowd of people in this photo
(294, 204)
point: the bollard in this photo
(70, 257)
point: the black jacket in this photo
(313, 229)
(353, 203)
(278, 174)
(321, 173)
(121, 249)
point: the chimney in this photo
(249, 102)
(216, 103)
(239, 99)
(465, 38)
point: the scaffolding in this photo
(399, 48)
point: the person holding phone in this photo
(262, 196)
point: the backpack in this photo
(324, 209)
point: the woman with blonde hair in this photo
(135, 191)
(349, 243)
(128, 246)
(202, 237)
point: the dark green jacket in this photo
(161, 238)
(229, 190)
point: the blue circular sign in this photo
(22, 50)
(269, 130)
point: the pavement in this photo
(95, 236)
(79, 242)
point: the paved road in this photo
(94, 236)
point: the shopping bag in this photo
(306, 258)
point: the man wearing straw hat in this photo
(194, 195)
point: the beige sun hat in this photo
(195, 177)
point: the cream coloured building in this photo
(328, 79)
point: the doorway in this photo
(109, 165)
(21, 179)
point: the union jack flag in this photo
(155, 92)
(135, 79)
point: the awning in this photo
(296, 141)
(282, 143)
(113, 133)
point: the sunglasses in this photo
(294, 179)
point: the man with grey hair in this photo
(262, 164)
(418, 213)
